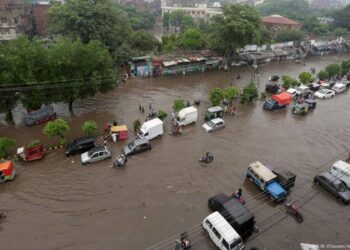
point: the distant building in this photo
(11, 23)
(276, 23)
(325, 20)
(196, 11)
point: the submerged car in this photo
(214, 124)
(339, 87)
(96, 154)
(137, 146)
(334, 186)
(325, 93)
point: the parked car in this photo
(346, 82)
(266, 180)
(80, 145)
(272, 87)
(294, 92)
(96, 154)
(7, 171)
(222, 233)
(239, 217)
(311, 103)
(314, 86)
(214, 124)
(39, 116)
(137, 146)
(334, 186)
(339, 87)
(302, 89)
(214, 112)
(325, 93)
(341, 170)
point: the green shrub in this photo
(162, 115)
(5, 143)
(137, 125)
(89, 127)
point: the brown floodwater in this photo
(56, 203)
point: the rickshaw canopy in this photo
(6, 167)
(283, 99)
(120, 128)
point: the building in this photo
(195, 11)
(10, 19)
(277, 23)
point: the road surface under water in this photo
(56, 203)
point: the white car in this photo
(339, 87)
(293, 92)
(325, 93)
(214, 124)
(96, 154)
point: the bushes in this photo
(288, 82)
(178, 104)
(4, 144)
(137, 125)
(323, 75)
(217, 95)
(58, 128)
(162, 114)
(249, 93)
(89, 127)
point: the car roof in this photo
(215, 109)
(330, 177)
(140, 141)
(342, 165)
(84, 139)
(223, 227)
(263, 172)
(98, 149)
(217, 120)
(240, 213)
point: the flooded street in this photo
(57, 203)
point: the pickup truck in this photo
(266, 180)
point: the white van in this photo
(187, 116)
(339, 87)
(151, 129)
(222, 233)
(341, 170)
(302, 88)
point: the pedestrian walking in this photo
(105, 141)
(142, 109)
(238, 77)
(150, 106)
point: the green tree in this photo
(58, 127)
(231, 93)
(139, 19)
(342, 17)
(186, 23)
(90, 65)
(288, 81)
(305, 77)
(216, 95)
(144, 41)
(162, 115)
(166, 20)
(89, 127)
(238, 26)
(137, 125)
(168, 43)
(345, 67)
(333, 69)
(249, 93)
(178, 104)
(340, 32)
(323, 75)
(290, 35)
(90, 20)
(191, 38)
(176, 18)
(5, 143)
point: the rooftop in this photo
(277, 19)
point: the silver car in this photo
(214, 124)
(96, 154)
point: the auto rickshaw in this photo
(214, 112)
(7, 171)
(272, 87)
(31, 153)
(311, 102)
(121, 132)
(300, 109)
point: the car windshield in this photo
(90, 153)
(211, 124)
(131, 145)
(322, 91)
(237, 242)
(342, 187)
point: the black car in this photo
(80, 145)
(333, 185)
(239, 217)
(137, 146)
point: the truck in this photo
(151, 129)
(280, 101)
(239, 217)
(186, 116)
(39, 116)
(266, 180)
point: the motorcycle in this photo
(292, 210)
(206, 159)
(183, 243)
(120, 162)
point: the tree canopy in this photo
(191, 38)
(342, 17)
(290, 35)
(90, 20)
(238, 26)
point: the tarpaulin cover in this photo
(283, 99)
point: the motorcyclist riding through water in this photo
(208, 157)
(120, 162)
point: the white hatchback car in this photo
(96, 154)
(214, 124)
(325, 93)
